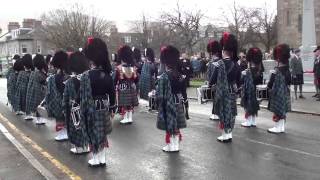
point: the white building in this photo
(22, 40)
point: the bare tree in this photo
(185, 25)
(267, 28)
(154, 33)
(70, 28)
(142, 26)
(243, 23)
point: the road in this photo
(135, 150)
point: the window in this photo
(288, 19)
(39, 49)
(127, 39)
(300, 23)
(24, 48)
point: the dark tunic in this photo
(171, 94)
(97, 98)
(21, 91)
(147, 79)
(36, 91)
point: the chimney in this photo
(37, 24)
(13, 26)
(28, 23)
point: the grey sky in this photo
(120, 11)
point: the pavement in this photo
(135, 150)
(309, 105)
(13, 163)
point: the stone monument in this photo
(308, 35)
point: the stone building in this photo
(290, 21)
(25, 39)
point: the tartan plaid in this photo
(211, 68)
(11, 83)
(248, 99)
(78, 137)
(97, 122)
(53, 100)
(36, 91)
(170, 117)
(146, 81)
(225, 102)
(21, 91)
(279, 102)
(128, 96)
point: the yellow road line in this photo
(45, 154)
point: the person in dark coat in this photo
(11, 80)
(250, 79)
(97, 100)
(214, 50)
(316, 72)
(22, 84)
(243, 63)
(225, 78)
(148, 74)
(297, 73)
(54, 95)
(126, 84)
(71, 104)
(171, 95)
(137, 58)
(186, 69)
(279, 88)
(36, 88)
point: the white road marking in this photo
(282, 148)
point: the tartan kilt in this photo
(34, 100)
(213, 101)
(181, 119)
(273, 105)
(98, 126)
(127, 97)
(76, 136)
(35, 94)
(298, 80)
(146, 84)
(233, 99)
(11, 88)
(21, 91)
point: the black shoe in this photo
(301, 97)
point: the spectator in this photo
(316, 71)
(242, 61)
(297, 72)
(186, 69)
